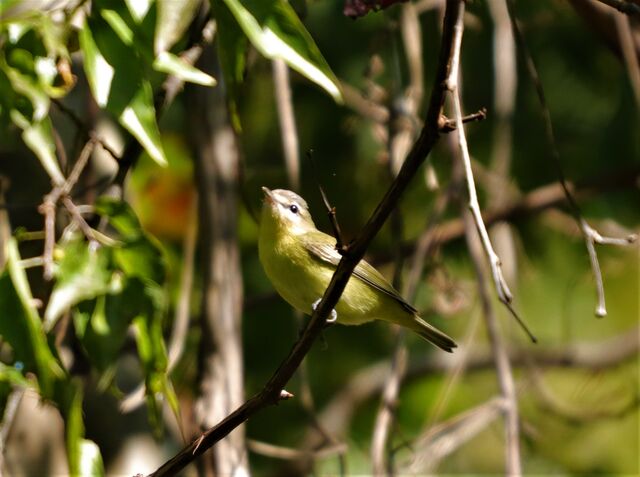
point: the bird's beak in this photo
(268, 194)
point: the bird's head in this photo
(286, 210)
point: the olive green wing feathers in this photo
(322, 246)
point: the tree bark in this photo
(220, 353)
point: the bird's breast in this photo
(301, 279)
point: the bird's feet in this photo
(334, 314)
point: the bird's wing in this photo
(322, 247)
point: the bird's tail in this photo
(431, 334)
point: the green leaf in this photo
(154, 361)
(119, 26)
(83, 455)
(38, 137)
(29, 81)
(102, 324)
(121, 216)
(13, 376)
(275, 31)
(139, 263)
(118, 82)
(232, 51)
(171, 64)
(21, 326)
(82, 274)
(20, 69)
(172, 22)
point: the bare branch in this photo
(500, 284)
(627, 45)
(286, 116)
(385, 415)
(446, 437)
(501, 358)
(504, 294)
(568, 412)
(8, 418)
(88, 133)
(626, 7)
(287, 453)
(448, 125)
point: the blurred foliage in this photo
(113, 295)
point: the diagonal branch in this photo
(271, 392)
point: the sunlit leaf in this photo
(174, 65)
(118, 82)
(172, 22)
(275, 30)
(70, 398)
(99, 72)
(117, 23)
(140, 119)
(139, 8)
(90, 464)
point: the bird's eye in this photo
(293, 208)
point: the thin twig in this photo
(271, 392)
(601, 309)
(627, 45)
(8, 418)
(80, 124)
(504, 294)
(287, 453)
(48, 209)
(551, 403)
(501, 358)
(49, 203)
(368, 382)
(626, 7)
(452, 85)
(286, 116)
(386, 414)
(79, 219)
(341, 246)
(365, 107)
(449, 125)
(446, 437)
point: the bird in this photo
(300, 260)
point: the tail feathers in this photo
(432, 334)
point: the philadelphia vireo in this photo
(300, 261)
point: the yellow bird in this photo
(300, 261)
